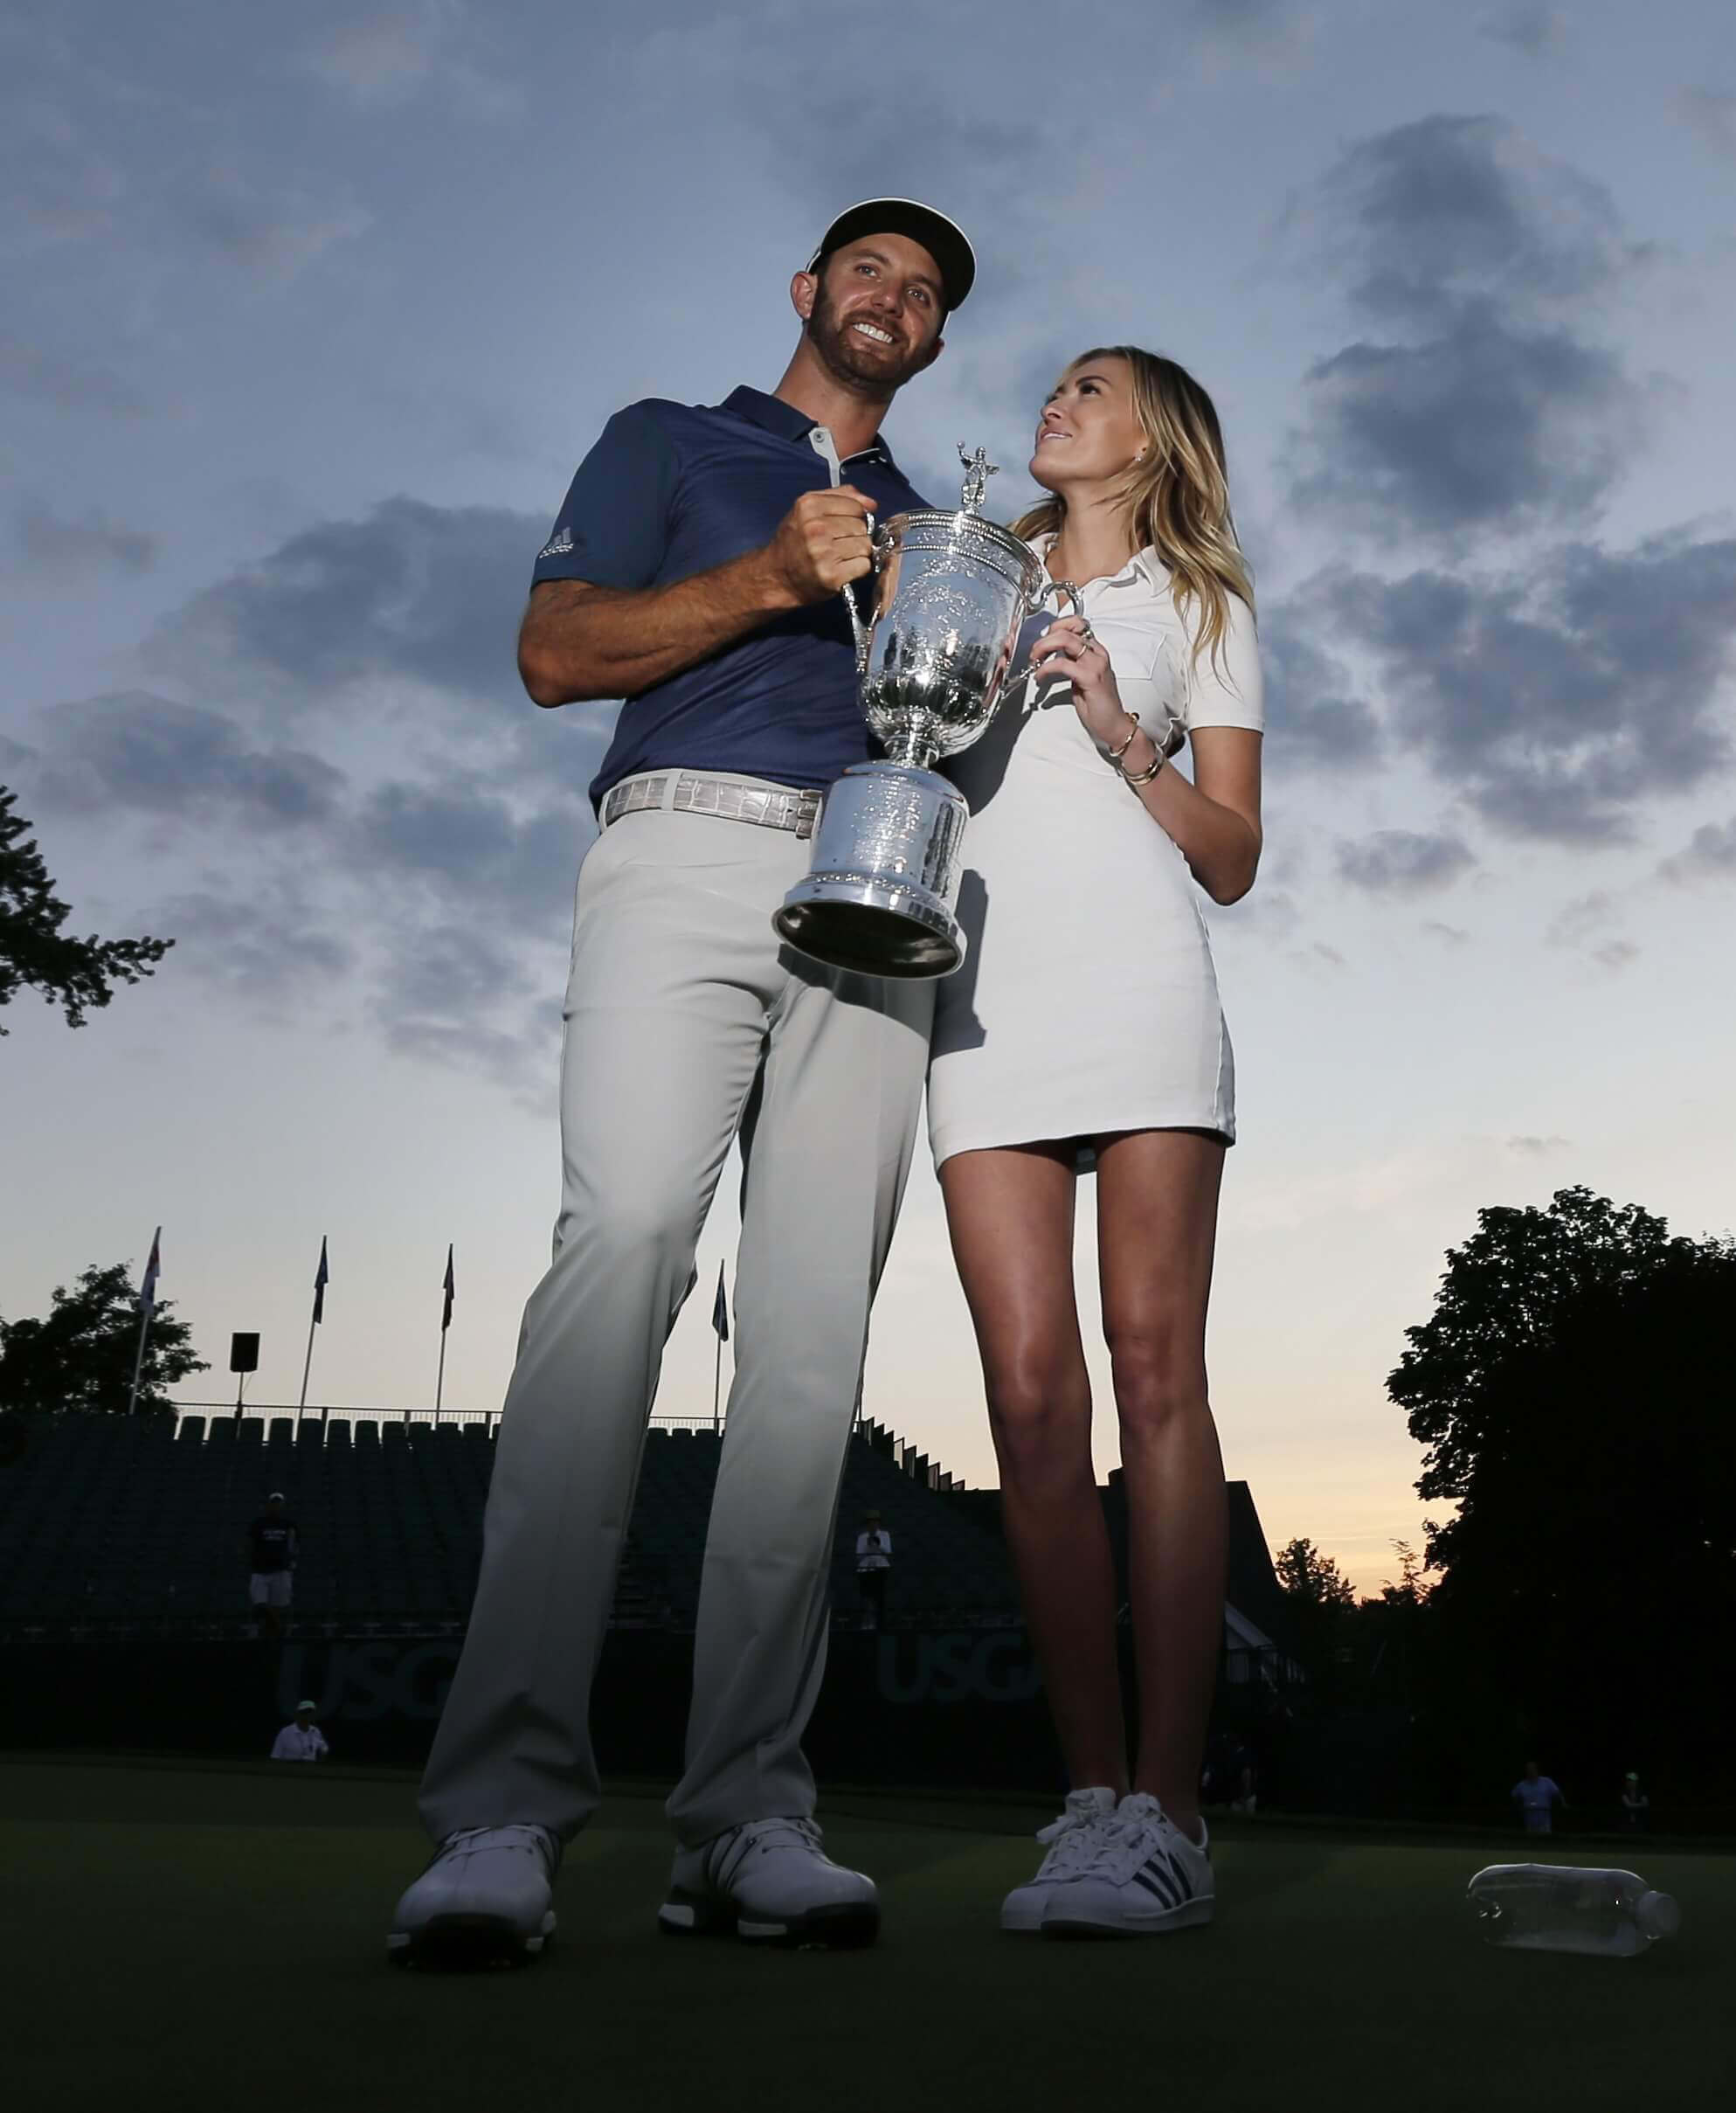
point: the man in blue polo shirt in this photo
(697, 569)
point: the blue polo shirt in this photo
(672, 489)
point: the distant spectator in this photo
(1536, 1798)
(272, 1542)
(302, 1740)
(874, 1567)
(1636, 1805)
(1244, 1780)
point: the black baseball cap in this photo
(943, 239)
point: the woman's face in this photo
(1089, 432)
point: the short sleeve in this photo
(1225, 687)
(613, 527)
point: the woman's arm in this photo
(1214, 818)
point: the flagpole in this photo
(320, 1279)
(450, 1288)
(147, 1307)
(139, 1361)
(720, 1328)
(307, 1366)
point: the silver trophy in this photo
(952, 592)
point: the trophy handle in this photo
(878, 543)
(1074, 594)
(1174, 734)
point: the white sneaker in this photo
(1145, 1877)
(769, 1880)
(1073, 1840)
(485, 1899)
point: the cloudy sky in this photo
(310, 315)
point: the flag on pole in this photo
(446, 1311)
(720, 1309)
(148, 1289)
(323, 1277)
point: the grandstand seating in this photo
(112, 1522)
(115, 1520)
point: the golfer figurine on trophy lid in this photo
(952, 591)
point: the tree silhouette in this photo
(1319, 1599)
(1508, 1298)
(80, 1355)
(75, 974)
(1574, 1391)
(1309, 1579)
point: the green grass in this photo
(209, 1938)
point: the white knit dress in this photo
(1088, 1002)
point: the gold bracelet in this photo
(1145, 776)
(1116, 754)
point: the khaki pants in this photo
(686, 1023)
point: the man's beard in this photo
(847, 361)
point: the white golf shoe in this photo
(1073, 1841)
(769, 1882)
(485, 1899)
(1145, 1877)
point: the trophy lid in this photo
(967, 536)
(966, 532)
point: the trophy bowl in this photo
(952, 591)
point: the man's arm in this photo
(579, 642)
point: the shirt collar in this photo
(772, 414)
(1145, 565)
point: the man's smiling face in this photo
(876, 315)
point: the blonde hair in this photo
(1177, 500)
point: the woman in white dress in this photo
(1084, 1032)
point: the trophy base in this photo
(851, 920)
(878, 898)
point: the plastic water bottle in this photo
(1563, 1908)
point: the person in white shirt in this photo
(1084, 1033)
(874, 1567)
(302, 1740)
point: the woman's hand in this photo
(1070, 648)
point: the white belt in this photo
(726, 799)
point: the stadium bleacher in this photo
(109, 1522)
(112, 1524)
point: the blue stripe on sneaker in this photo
(1156, 1882)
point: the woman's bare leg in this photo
(1156, 1226)
(1011, 1217)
